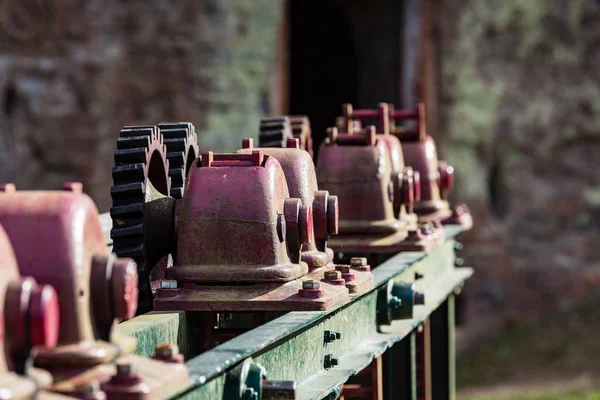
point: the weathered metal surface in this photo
(239, 224)
(301, 130)
(252, 297)
(29, 316)
(302, 183)
(71, 256)
(357, 167)
(181, 142)
(155, 327)
(287, 346)
(140, 175)
(276, 132)
(404, 179)
(232, 227)
(94, 290)
(436, 176)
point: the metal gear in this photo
(182, 149)
(301, 130)
(139, 176)
(274, 132)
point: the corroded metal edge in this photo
(211, 367)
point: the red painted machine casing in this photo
(237, 223)
(358, 168)
(301, 179)
(404, 178)
(230, 223)
(58, 240)
(29, 317)
(437, 177)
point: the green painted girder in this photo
(291, 347)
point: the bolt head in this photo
(124, 369)
(358, 261)
(419, 298)
(168, 284)
(88, 387)
(344, 269)
(166, 350)
(311, 285)
(332, 275)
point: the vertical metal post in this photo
(399, 376)
(443, 363)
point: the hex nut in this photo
(168, 284)
(344, 269)
(332, 275)
(358, 261)
(311, 285)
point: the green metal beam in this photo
(291, 347)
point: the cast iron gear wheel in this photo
(274, 132)
(301, 130)
(140, 175)
(182, 149)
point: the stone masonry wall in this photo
(72, 73)
(520, 119)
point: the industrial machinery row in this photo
(255, 274)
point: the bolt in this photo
(125, 369)
(75, 187)
(426, 229)
(458, 246)
(311, 289)
(279, 389)
(419, 298)
(344, 269)
(168, 284)
(330, 361)
(311, 285)
(166, 350)
(360, 264)
(358, 261)
(330, 336)
(459, 262)
(395, 302)
(418, 276)
(332, 275)
(415, 235)
(7, 188)
(88, 387)
(250, 394)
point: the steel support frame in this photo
(292, 348)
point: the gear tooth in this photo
(177, 193)
(128, 173)
(176, 144)
(274, 132)
(127, 231)
(126, 193)
(137, 131)
(179, 139)
(176, 159)
(177, 176)
(132, 142)
(130, 156)
(137, 252)
(122, 213)
(136, 148)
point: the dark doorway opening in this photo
(323, 64)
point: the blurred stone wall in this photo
(72, 73)
(520, 120)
